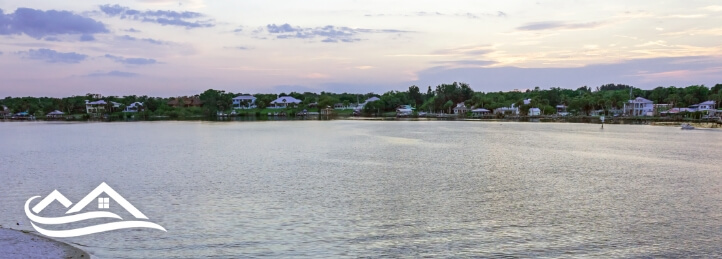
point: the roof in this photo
(99, 102)
(286, 99)
(534, 109)
(135, 104)
(56, 112)
(480, 110)
(707, 103)
(244, 97)
(561, 106)
(640, 100)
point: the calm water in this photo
(379, 188)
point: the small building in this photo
(479, 112)
(639, 107)
(562, 110)
(4, 112)
(461, 109)
(244, 102)
(527, 101)
(134, 107)
(284, 102)
(705, 106)
(327, 111)
(404, 110)
(507, 110)
(534, 112)
(55, 114)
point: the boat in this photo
(686, 126)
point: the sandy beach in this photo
(18, 244)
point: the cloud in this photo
(183, 19)
(52, 56)
(87, 37)
(39, 24)
(466, 63)
(114, 73)
(714, 8)
(644, 73)
(132, 30)
(148, 40)
(439, 14)
(557, 25)
(131, 61)
(330, 34)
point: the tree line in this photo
(441, 98)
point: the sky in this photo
(182, 47)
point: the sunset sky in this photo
(170, 48)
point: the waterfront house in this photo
(284, 102)
(244, 102)
(479, 112)
(534, 112)
(4, 112)
(562, 110)
(327, 111)
(134, 107)
(639, 107)
(404, 110)
(55, 114)
(100, 106)
(506, 110)
(705, 106)
(461, 109)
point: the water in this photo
(379, 188)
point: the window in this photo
(103, 203)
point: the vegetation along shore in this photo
(617, 102)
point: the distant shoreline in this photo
(658, 121)
(21, 244)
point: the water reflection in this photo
(380, 188)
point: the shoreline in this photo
(21, 244)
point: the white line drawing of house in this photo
(104, 188)
(53, 196)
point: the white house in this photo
(478, 112)
(284, 102)
(134, 107)
(527, 101)
(461, 109)
(99, 106)
(513, 110)
(534, 111)
(705, 106)
(562, 110)
(639, 107)
(244, 102)
(404, 110)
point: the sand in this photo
(19, 244)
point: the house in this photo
(705, 106)
(134, 107)
(4, 112)
(284, 102)
(404, 110)
(99, 107)
(55, 114)
(504, 110)
(527, 101)
(639, 107)
(327, 111)
(534, 112)
(562, 110)
(185, 101)
(479, 112)
(244, 102)
(461, 109)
